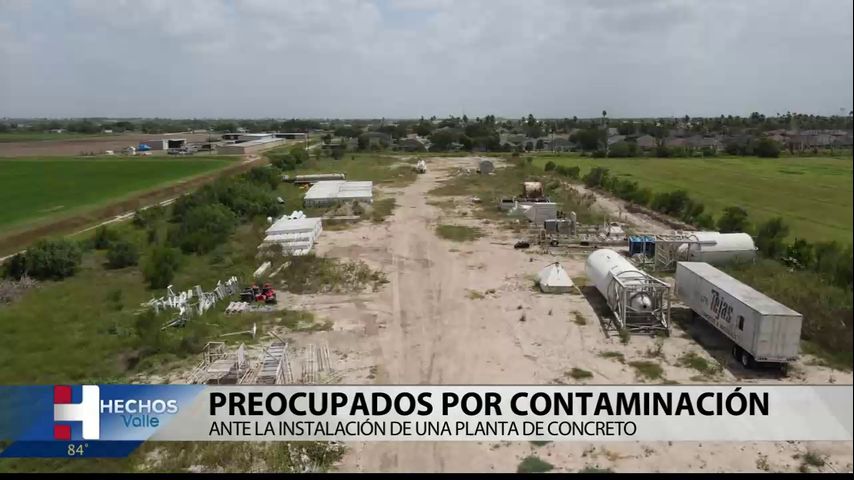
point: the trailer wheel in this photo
(735, 352)
(746, 360)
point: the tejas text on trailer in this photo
(762, 329)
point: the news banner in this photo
(113, 420)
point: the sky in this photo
(412, 58)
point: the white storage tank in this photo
(718, 248)
(605, 266)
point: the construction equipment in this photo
(265, 294)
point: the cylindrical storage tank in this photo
(604, 266)
(719, 248)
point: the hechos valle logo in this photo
(87, 412)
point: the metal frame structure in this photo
(221, 367)
(275, 367)
(629, 285)
(667, 250)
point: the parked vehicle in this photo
(762, 330)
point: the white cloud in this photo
(408, 57)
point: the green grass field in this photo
(813, 194)
(35, 189)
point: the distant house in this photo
(646, 142)
(562, 145)
(511, 140)
(413, 144)
(713, 143)
(107, 131)
(779, 138)
(376, 139)
(612, 131)
(700, 142)
(675, 142)
(844, 140)
(616, 139)
(57, 130)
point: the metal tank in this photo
(718, 248)
(639, 301)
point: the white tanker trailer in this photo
(640, 302)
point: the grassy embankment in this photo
(93, 319)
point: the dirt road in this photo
(428, 327)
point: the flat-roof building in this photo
(252, 146)
(331, 192)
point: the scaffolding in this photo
(220, 367)
(631, 289)
(275, 367)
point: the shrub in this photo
(623, 149)
(767, 148)
(579, 373)
(596, 177)
(203, 228)
(799, 254)
(283, 161)
(550, 165)
(53, 259)
(264, 176)
(161, 266)
(647, 369)
(103, 237)
(834, 263)
(770, 238)
(670, 203)
(532, 464)
(15, 267)
(146, 218)
(733, 220)
(122, 254)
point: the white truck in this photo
(762, 329)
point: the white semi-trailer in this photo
(762, 329)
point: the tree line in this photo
(831, 260)
(195, 224)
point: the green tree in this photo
(771, 236)
(671, 203)
(53, 259)
(767, 148)
(589, 139)
(121, 254)
(102, 238)
(596, 177)
(148, 331)
(733, 220)
(264, 176)
(161, 266)
(204, 227)
(800, 254)
(15, 267)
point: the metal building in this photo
(332, 192)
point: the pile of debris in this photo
(191, 302)
(12, 289)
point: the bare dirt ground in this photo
(427, 327)
(96, 144)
